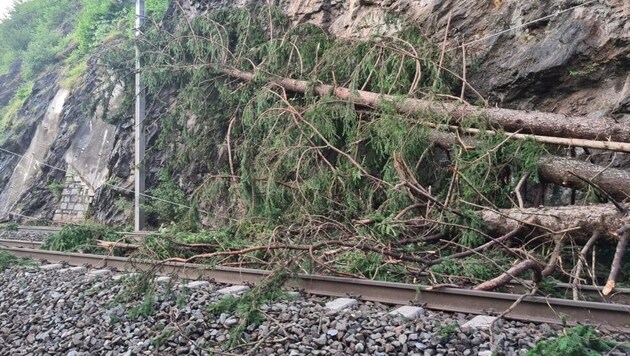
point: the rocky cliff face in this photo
(20, 137)
(560, 56)
(64, 148)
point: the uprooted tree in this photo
(353, 158)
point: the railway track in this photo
(592, 293)
(613, 317)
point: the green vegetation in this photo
(38, 31)
(168, 242)
(371, 266)
(304, 168)
(7, 114)
(80, 238)
(11, 226)
(577, 341)
(163, 337)
(56, 188)
(298, 168)
(445, 331)
(145, 309)
(473, 269)
(61, 35)
(35, 32)
(138, 287)
(73, 72)
(289, 167)
(8, 260)
(171, 204)
(584, 70)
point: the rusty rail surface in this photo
(21, 243)
(50, 229)
(614, 317)
(592, 293)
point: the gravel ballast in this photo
(25, 235)
(68, 312)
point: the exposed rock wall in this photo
(28, 167)
(19, 137)
(70, 149)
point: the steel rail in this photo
(54, 229)
(134, 235)
(49, 229)
(21, 243)
(620, 296)
(613, 317)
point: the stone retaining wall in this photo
(75, 200)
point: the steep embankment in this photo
(572, 63)
(18, 138)
(319, 124)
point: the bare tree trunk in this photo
(579, 221)
(614, 181)
(539, 123)
(615, 267)
(562, 171)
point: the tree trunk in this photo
(554, 169)
(615, 267)
(613, 181)
(579, 221)
(539, 123)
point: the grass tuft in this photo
(577, 341)
(8, 260)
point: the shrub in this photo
(578, 341)
(8, 260)
(79, 237)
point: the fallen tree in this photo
(318, 176)
(534, 122)
(580, 221)
(562, 171)
(567, 172)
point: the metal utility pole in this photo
(139, 126)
